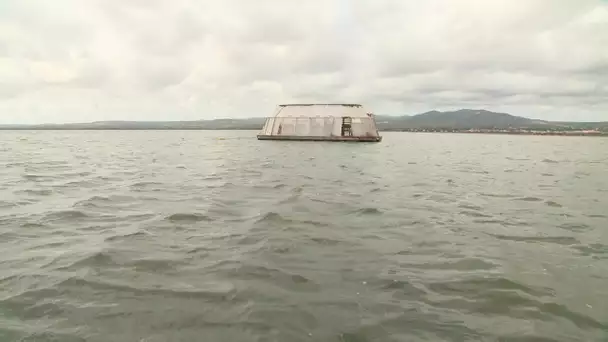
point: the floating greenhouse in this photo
(321, 122)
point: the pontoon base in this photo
(319, 138)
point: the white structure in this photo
(335, 122)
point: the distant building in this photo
(320, 122)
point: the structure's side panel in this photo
(302, 126)
(328, 126)
(364, 127)
(336, 127)
(267, 129)
(317, 126)
(325, 122)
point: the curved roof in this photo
(321, 110)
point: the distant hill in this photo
(218, 124)
(471, 119)
(464, 119)
(461, 120)
(468, 118)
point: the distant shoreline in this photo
(600, 135)
(468, 121)
(541, 133)
(429, 131)
(129, 129)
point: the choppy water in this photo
(215, 236)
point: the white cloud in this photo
(84, 60)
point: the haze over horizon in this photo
(154, 60)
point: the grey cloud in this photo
(154, 76)
(95, 59)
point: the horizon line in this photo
(282, 105)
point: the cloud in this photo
(84, 60)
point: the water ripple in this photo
(183, 235)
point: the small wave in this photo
(402, 285)
(497, 195)
(33, 225)
(15, 165)
(271, 217)
(5, 204)
(575, 227)
(550, 161)
(49, 245)
(137, 234)
(278, 277)
(501, 222)
(529, 199)
(312, 223)
(82, 183)
(470, 206)
(66, 214)
(212, 178)
(91, 202)
(155, 265)
(188, 217)
(36, 178)
(325, 241)
(98, 198)
(580, 320)
(504, 297)
(28, 336)
(473, 287)
(290, 199)
(474, 214)
(597, 250)
(102, 259)
(140, 185)
(199, 250)
(105, 201)
(215, 290)
(471, 264)
(36, 192)
(560, 240)
(553, 204)
(282, 250)
(368, 211)
(471, 171)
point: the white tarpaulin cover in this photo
(319, 120)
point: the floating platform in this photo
(319, 138)
(321, 122)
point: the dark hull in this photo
(319, 138)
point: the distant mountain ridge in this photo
(469, 119)
(478, 119)
(459, 120)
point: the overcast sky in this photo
(86, 60)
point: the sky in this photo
(91, 60)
